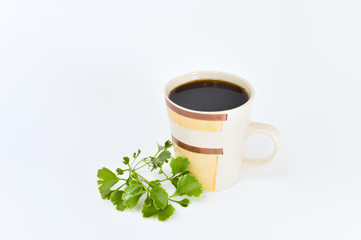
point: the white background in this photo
(81, 85)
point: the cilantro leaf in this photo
(132, 194)
(120, 171)
(167, 144)
(149, 211)
(159, 196)
(179, 164)
(148, 201)
(136, 154)
(174, 181)
(184, 202)
(134, 181)
(188, 185)
(162, 157)
(126, 160)
(108, 180)
(165, 213)
(154, 184)
(107, 196)
(117, 200)
(130, 201)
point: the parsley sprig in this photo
(134, 186)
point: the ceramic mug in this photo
(214, 142)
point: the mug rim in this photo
(249, 86)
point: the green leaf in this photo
(165, 213)
(179, 164)
(132, 194)
(160, 160)
(126, 160)
(133, 179)
(154, 184)
(128, 180)
(149, 211)
(136, 154)
(159, 196)
(132, 200)
(188, 185)
(148, 201)
(174, 181)
(134, 182)
(120, 171)
(162, 157)
(107, 196)
(167, 144)
(184, 202)
(108, 180)
(117, 200)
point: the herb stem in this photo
(140, 166)
(120, 187)
(143, 160)
(164, 174)
(157, 153)
(131, 165)
(145, 180)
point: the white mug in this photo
(214, 142)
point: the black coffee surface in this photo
(209, 95)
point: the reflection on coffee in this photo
(209, 95)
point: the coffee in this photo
(209, 95)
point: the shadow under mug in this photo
(214, 142)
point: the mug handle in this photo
(270, 131)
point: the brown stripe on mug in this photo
(215, 151)
(194, 115)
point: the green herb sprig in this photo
(134, 186)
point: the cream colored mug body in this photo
(214, 142)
